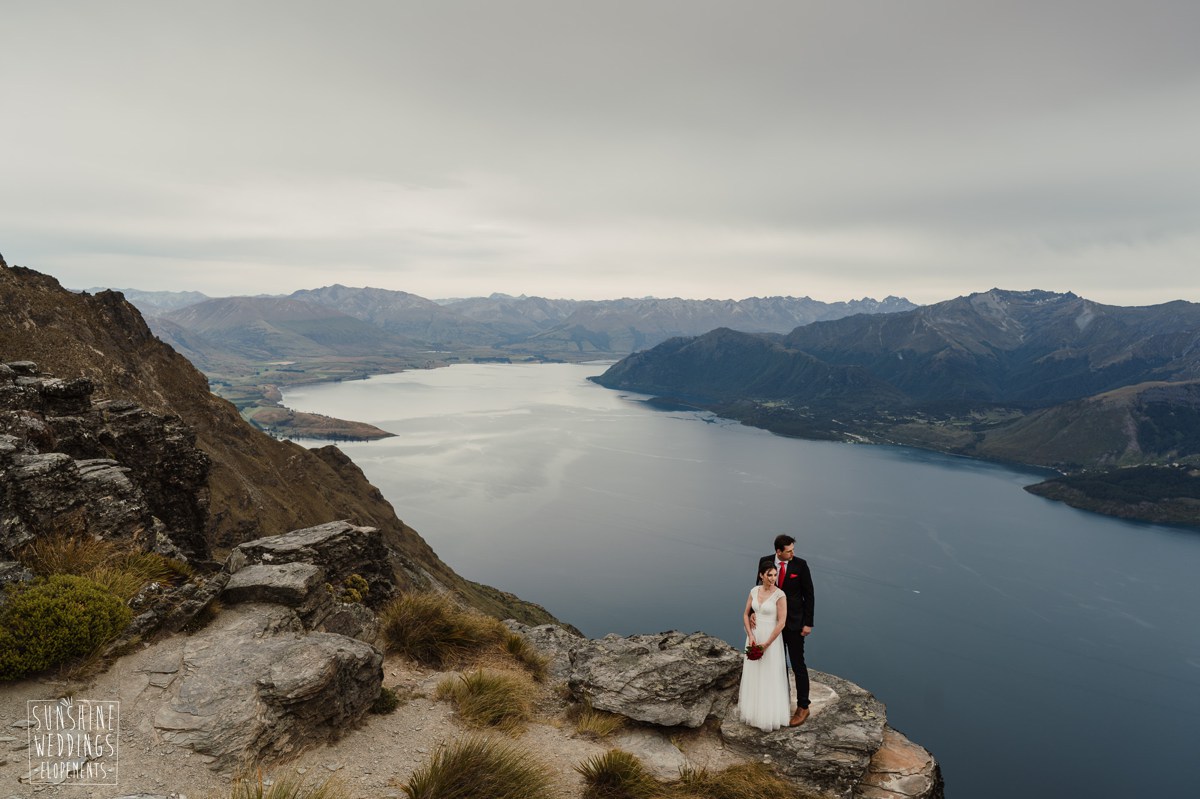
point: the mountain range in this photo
(1033, 377)
(268, 327)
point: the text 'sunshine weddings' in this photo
(73, 741)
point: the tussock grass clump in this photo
(429, 630)
(527, 656)
(745, 781)
(616, 774)
(479, 768)
(592, 723)
(496, 699)
(118, 566)
(63, 553)
(140, 569)
(285, 788)
(55, 620)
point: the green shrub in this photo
(353, 589)
(387, 701)
(431, 631)
(479, 768)
(616, 774)
(489, 698)
(54, 620)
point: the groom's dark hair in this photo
(782, 540)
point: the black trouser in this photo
(795, 649)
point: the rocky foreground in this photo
(287, 669)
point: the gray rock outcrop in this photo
(255, 685)
(670, 679)
(553, 642)
(340, 549)
(12, 572)
(308, 570)
(845, 750)
(283, 666)
(840, 751)
(105, 469)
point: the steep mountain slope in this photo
(257, 485)
(1028, 349)
(1034, 347)
(725, 366)
(1147, 422)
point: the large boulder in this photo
(670, 679)
(291, 584)
(288, 662)
(339, 549)
(254, 686)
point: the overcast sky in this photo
(606, 148)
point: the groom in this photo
(796, 582)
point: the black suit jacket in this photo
(798, 588)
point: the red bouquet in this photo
(754, 652)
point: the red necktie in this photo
(782, 569)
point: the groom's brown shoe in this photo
(799, 717)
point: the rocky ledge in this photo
(845, 750)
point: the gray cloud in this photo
(602, 149)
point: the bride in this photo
(763, 699)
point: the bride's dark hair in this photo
(766, 568)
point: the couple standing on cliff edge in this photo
(779, 606)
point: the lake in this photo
(1035, 649)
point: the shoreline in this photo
(1178, 512)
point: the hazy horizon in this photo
(446, 300)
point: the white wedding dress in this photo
(764, 700)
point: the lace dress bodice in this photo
(766, 614)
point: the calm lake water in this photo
(1036, 650)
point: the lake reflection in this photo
(1035, 649)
